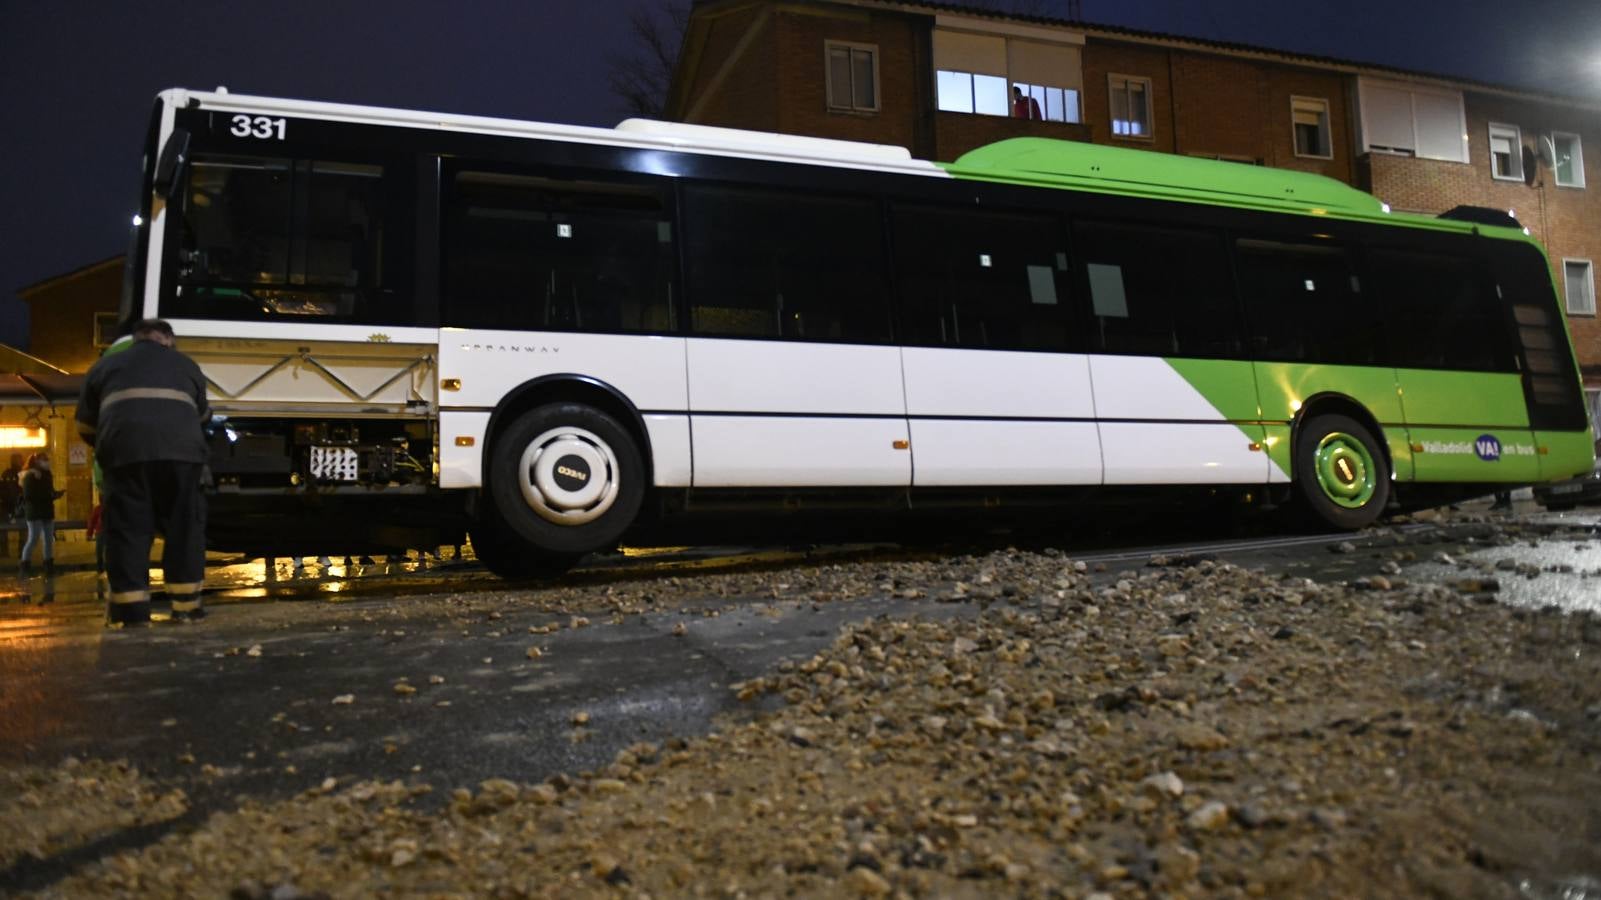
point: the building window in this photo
(1053, 104)
(1131, 105)
(1569, 162)
(1225, 157)
(969, 92)
(852, 74)
(1410, 120)
(1506, 152)
(1580, 286)
(997, 75)
(1311, 118)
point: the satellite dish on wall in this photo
(1547, 150)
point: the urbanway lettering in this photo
(510, 348)
(1469, 448)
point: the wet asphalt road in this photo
(293, 678)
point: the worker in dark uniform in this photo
(142, 411)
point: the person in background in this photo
(10, 487)
(142, 410)
(1503, 500)
(1024, 107)
(39, 496)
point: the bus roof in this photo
(1119, 170)
(630, 133)
(1045, 162)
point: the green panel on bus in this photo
(1229, 385)
(1284, 387)
(1134, 173)
(1481, 399)
(1484, 455)
(1568, 453)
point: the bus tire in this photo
(1340, 472)
(508, 557)
(565, 479)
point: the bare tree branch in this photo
(642, 76)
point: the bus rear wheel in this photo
(564, 479)
(1340, 472)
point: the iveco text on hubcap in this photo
(569, 476)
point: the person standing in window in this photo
(142, 411)
(1024, 107)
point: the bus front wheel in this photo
(564, 479)
(1340, 472)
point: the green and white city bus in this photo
(420, 324)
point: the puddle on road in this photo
(1568, 576)
(1581, 887)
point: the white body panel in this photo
(770, 451)
(1181, 453)
(1184, 440)
(669, 447)
(997, 384)
(779, 377)
(979, 389)
(1146, 387)
(854, 391)
(649, 371)
(955, 452)
(462, 467)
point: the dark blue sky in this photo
(77, 76)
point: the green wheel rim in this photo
(1345, 470)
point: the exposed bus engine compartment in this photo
(325, 455)
(292, 487)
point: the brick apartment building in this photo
(938, 79)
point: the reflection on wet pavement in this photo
(1551, 560)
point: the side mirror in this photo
(170, 167)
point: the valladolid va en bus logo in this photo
(1486, 447)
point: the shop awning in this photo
(39, 388)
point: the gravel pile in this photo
(47, 812)
(1195, 730)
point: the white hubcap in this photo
(568, 476)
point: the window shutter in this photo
(958, 51)
(1388, 118)
(1440, 127)
(1055, 65)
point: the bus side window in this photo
(767, 264)
(1304, 303)
(982, 279)
(263, 238)
(1445, 308)
(535, 252)
(1159, 291)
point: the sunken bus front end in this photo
(324, 435)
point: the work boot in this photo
(24, 569)
(188, 610)
(128, 615)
